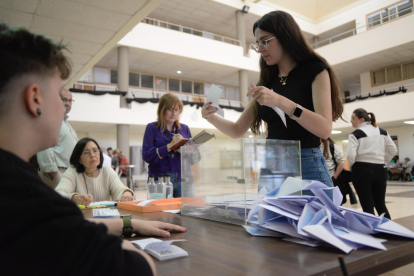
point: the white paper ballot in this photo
(105, 213)
(213, 96)
(280, 113)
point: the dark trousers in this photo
(370, 184)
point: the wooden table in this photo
(216, 248)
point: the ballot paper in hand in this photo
(213, 96)
(280, 113)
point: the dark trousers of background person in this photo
(370, 184)
(345, 189)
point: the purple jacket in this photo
(153, 139)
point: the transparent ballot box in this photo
(221, 180)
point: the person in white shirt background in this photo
(369, 149)
(53, 162)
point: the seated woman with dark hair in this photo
(87, 180)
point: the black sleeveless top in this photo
(298, 89)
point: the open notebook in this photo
(200, 138)
(162, 250)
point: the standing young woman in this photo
(296, 80)
(369, 149)
(160, 136)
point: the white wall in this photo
(388, 36)
(105, 109)
(195, 47)
(405, 140)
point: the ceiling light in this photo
(344, 141)
(336, 132)
(251, 136)
(178, 72)
(409, 122)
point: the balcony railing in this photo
(353, 32)
(370, 25)
(153, 94)
(188, 30)
(374, 94)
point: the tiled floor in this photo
(400, 203)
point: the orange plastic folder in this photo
(154, 206)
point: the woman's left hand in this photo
(155, 228)
(264, 96)
(127, 196)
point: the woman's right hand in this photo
(177, 137)
(82, 199)
(208, 110)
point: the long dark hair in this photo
(286, 30)
(326, 147)
(77, 152)
(368, 116)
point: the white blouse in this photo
(106, 186)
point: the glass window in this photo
(160, 83)
(393, 12)
(384, 15)
(195, 32)
(114, 76)
(147, 81)
(374, 19)
(404, 7)
(163, 24)
(133, 79)
(174, 85)
(394, 73)
(102, 75)
(187, 30)
(186, 86)
(378, 77)
(174, 27)
(408, 70)
(198, 88)
(238, 94)
(231, 93)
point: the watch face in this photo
(297, 112)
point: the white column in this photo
(244, 87)
(122, 130)
(241, 30)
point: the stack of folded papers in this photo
(317, 220)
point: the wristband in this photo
(127, 229)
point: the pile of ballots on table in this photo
(318, 220)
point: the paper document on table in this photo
(280, 113)
(213, 96)
(105, 213)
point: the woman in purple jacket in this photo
(160, 136)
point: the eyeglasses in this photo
(263, 43)
(93, 152)
(67, 100)
(171, 110)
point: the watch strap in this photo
(127, 229)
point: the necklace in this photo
(283, 79)
(90, 174)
